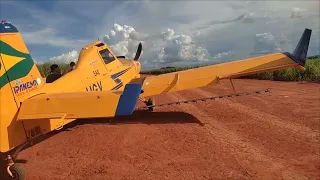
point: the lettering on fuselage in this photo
(93, 63)
(95, 87)
(96, 72)
(21, 87)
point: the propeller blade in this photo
(138, 53)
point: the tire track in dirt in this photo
(245, 153)
(267, 118)
(278, 140)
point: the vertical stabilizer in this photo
(299, 55)
(19, 70)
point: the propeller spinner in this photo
(138, 53)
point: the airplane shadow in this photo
(138, 117)
(145, 117)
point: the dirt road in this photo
(268, 136)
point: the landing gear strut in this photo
(150, 103)
(11, 171)
(14, 171)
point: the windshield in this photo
(106, 56)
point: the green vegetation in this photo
(168, 70)
(45, 68)
(311, 72)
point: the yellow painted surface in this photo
(10, 61)
(70, 98)
(15, 40)
(70, 105)
(90, 90)
(11, 132)
(203, 76)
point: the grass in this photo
(310, 74)
(45, 68)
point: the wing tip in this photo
(299, 55)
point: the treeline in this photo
(45, 68)
(311, 72)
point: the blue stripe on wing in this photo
(128, 99)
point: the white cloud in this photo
(266, 42)
(170, 36)
(49, 37)
(158, 49)
(65, 58)
(296, 13)
(162, 48)
(43, 27)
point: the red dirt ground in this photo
(268, 136)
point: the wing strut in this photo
(205, 99)
(234, 90)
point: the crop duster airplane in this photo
(102, 85)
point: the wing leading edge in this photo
(199, 77)
(81, 104)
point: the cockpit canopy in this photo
(106, 56)
(89, 51)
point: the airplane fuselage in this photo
(95, 71)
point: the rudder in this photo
(299, 54)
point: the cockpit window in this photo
(100, 44)
(106, 56)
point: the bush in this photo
(311, 73)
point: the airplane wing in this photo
(80, 104)
(199, 77)
(113, 103)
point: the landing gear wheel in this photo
(151, 102)
(17, 172)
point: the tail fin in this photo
(300, 53)
(18, 69)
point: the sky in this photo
(173, 33)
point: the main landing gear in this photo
(13, 171)
(150, 103)
(9, 169)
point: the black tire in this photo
(17, 172)
(152, 102)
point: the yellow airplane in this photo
(102, 85)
